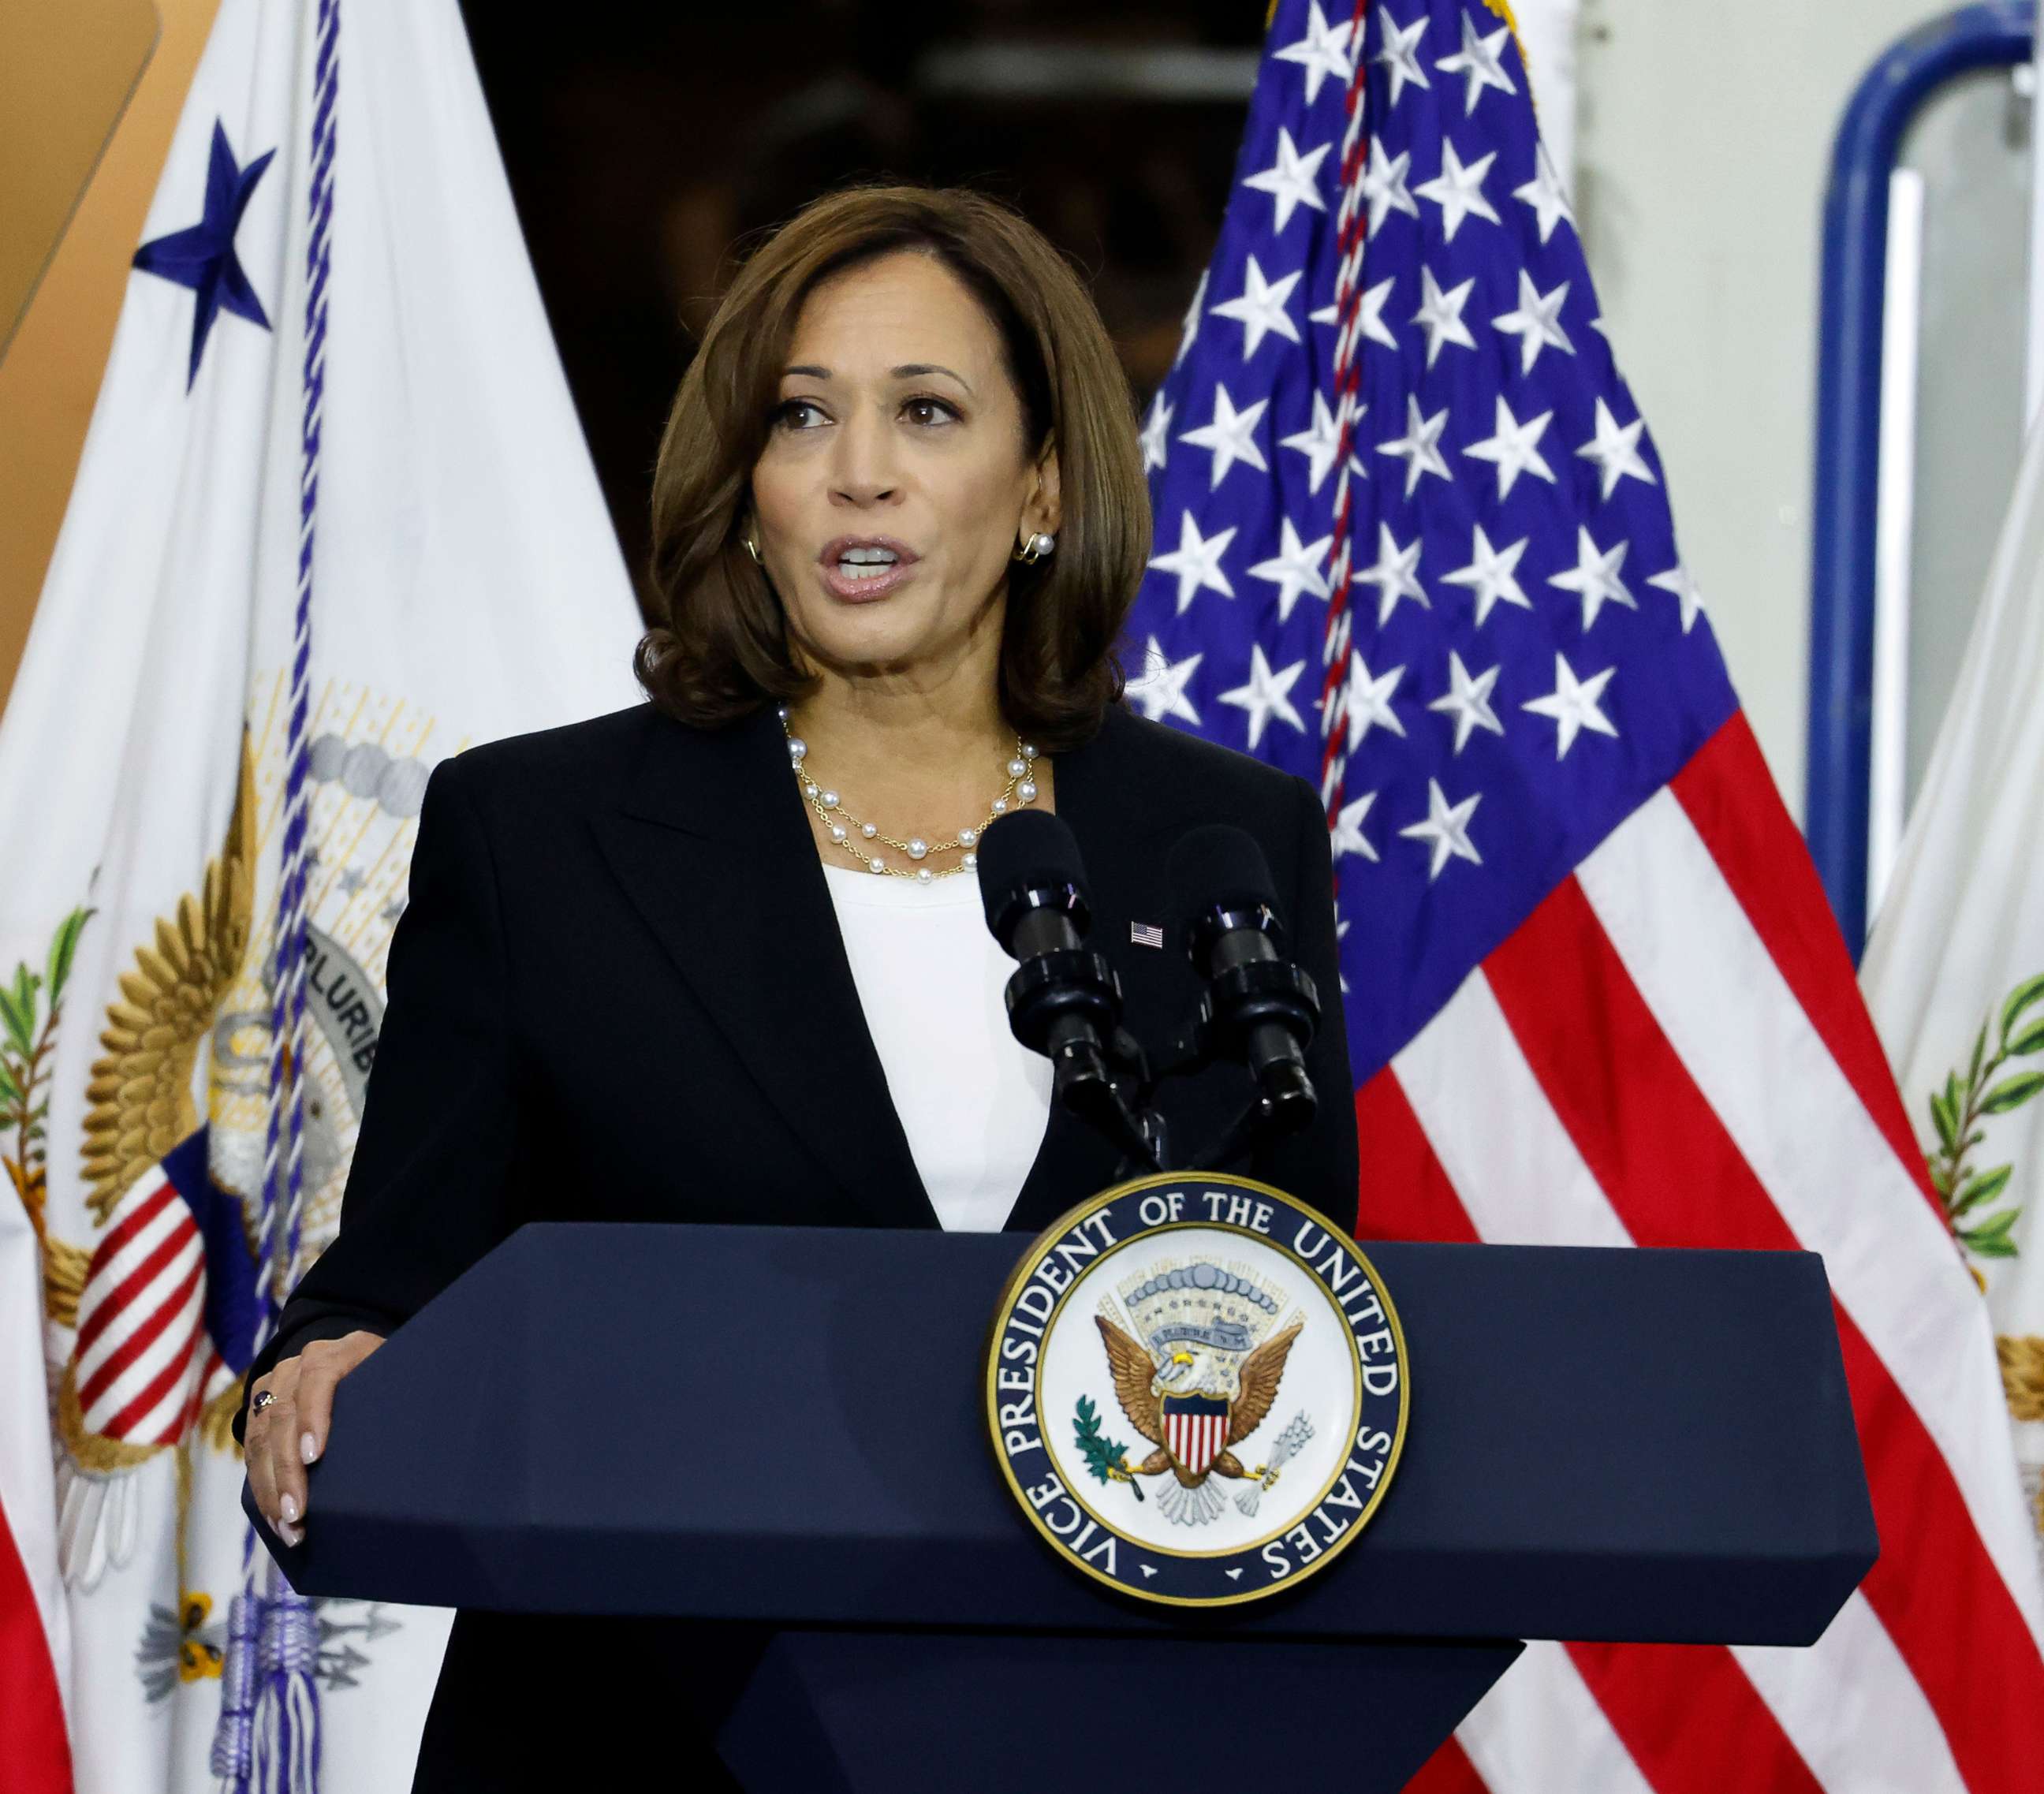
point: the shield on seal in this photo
(1195, 1430)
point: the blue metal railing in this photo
(1998, 34)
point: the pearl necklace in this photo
(843, 826)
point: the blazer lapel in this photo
(711, 845)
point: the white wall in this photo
(1703, 144)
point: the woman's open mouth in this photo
(857, 570)
(856, 585)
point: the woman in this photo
(721, 958)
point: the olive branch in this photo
(25, 1054)
(1108, 1459)
(1958, 1111)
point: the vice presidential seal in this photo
(1196, 1388)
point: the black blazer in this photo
(619, 992)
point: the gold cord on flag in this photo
(1503, 9)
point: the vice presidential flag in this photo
(1954, 970)
(1413, 541)
(334, 521)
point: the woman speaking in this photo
(721, 958)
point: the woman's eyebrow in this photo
(908, 371)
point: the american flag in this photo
(1413, 542)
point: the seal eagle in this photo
(1137, 1378)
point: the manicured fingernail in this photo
(291, 1534)
(287, 1505)
(308, 1447)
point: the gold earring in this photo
(752, 548)
(1035, 549)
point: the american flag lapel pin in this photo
(1145, 934)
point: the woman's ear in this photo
(1045, 502)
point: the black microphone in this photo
(1064, 1000)
(1264, 1009)
(1032, 885)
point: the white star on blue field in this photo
(1404, 395)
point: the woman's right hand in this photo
(283, 1436)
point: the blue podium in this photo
(781, 1425)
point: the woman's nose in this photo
(866, 473)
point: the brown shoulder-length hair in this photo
(723, 649)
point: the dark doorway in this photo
(646, 145)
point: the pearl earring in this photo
(1037, 547)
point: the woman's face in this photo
(897, 430)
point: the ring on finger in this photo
(263, 1398)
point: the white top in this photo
(972, 1099)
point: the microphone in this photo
(1064, 1000)
(1263, 1009)
(1032, 886)
(1032, 883)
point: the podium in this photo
(783, 1425)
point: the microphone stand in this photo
(1066, 1004)
(1064, 1000)
(1261, 991)
(1085, 1081)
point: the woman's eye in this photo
(924, 411)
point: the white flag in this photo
(1954, 970)
(330, 347)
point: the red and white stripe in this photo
(142, 1352)
(1196, 1439)
(1671, 1051)
(35, 1636)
